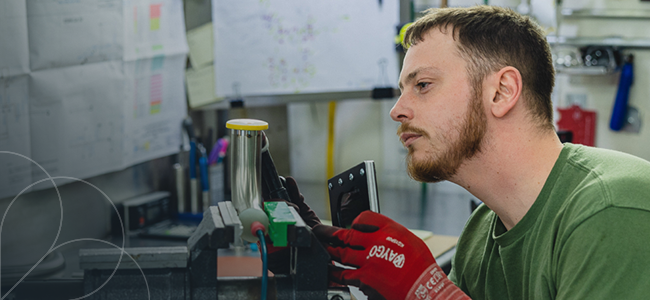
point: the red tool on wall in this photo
(582, 123)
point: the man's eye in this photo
(422, 85)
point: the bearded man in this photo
(558, 221)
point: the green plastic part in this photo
(280, 217)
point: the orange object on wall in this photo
(581, 122)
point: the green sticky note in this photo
(154, 23)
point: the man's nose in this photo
(400, 112)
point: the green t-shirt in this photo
(587, 236)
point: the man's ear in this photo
(508, 91)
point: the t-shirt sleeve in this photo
(607, 256)
(452, 276)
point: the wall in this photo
(600, 91)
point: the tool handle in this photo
(619, 111)
(270, 177)
(193, 160)
(189, 128)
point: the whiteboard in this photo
(270, 47)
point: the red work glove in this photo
(390, 261)
(278, 257)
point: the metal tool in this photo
(352, 192)
(190, 272)
(171, 272)
(246, 172)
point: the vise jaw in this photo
(184, 272)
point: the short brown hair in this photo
(490, 38)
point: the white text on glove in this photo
(387, 254)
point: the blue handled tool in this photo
(194, 187)
(203, 167)
(619, 111)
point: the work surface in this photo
(440, 244)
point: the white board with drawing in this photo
(273, 47)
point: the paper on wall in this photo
(15, 171)
(76, 119)
(154, 108)
(200, 43)
(13, 38)
(153, 28)
(82, 110)
(200, 86)
(66, 33)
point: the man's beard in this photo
(436, 168)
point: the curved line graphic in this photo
(16, 197)
(52, 248)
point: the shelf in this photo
(271, 100)
(596, 70)
(599, 41)
(606, 13)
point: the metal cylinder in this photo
(246, 171)
(246, 162)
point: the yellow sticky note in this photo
(200, 86)
(200, 41)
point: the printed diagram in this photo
(155, 107)
(13, 109)
(149, 28)
(153, 27)
(156, 85)
(15, 172)
(291, 71)
(149, 85)
(155, 94)
(107, 47)
(89, 139)
(157, 135)
(154, 23)
(5, 111)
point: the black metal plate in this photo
(349, 193)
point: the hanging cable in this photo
(258, 229)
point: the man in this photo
(558, 221)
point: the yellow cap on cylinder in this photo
(247, 124)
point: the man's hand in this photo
(390, 262)
(278, 257)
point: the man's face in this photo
(442, 118)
